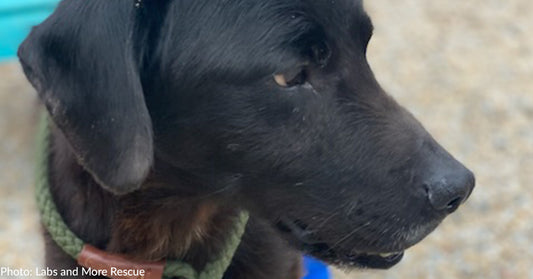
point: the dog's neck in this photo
(151, 224)
(162, 228)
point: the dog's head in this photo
(270, 103)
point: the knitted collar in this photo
(116, 265)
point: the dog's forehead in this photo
(337, 10)
(340, 17)
(266, 18)
(250, 34)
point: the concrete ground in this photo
(464, 68)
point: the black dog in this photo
(172, 116)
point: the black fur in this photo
(173, 103)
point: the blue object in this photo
(315, 269)
(16, 19)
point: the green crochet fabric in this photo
(72, 245)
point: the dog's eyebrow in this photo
(367, 22)
(297, 33)
(363, 27)
(363, 19)
(299, 27)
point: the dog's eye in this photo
(291, 78)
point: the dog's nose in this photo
(449, 188)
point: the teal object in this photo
(16, 19)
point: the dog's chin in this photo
(307, 241)
(373, 260)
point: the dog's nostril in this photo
(454, 204)
(446, 193)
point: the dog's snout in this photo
(449, 188)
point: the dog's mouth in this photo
(309, 242)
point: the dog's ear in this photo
(82, 63)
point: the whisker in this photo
(349, 235)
